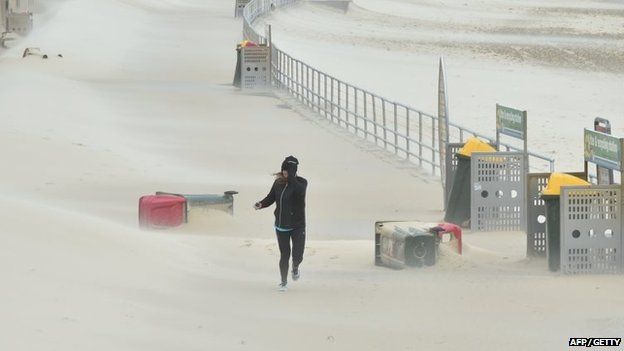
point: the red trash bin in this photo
(450, 228)
(161, 211)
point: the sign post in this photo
(513, 123)
(443, 123)
(604, 175)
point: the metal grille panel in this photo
(19, 22)
(591, 233)
(255, 68)
(498, 191)
(536, 214)
(239, 7)
(451, 166)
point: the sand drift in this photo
(141, 101)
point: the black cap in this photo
(290, 164)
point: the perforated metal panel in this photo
(239, 6)
(536, 214)
(255, 68)
(497, 202)
(591, 232)
(19, 22)
(451, 167)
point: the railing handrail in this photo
(283, 77)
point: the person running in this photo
(288, 193)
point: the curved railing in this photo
(396, 127)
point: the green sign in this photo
(511, 122)
(603, 149)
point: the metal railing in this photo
(407, 132)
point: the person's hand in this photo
(257, 206)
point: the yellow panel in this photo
(557, 180)
(475, 145)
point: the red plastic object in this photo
(161, 211)
(248, 43)
(452, 229)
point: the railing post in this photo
(385, 126)
(325, 93)
(347, 108)
(313, 90)
(396, 136)
(420, 138)
(375, 120)
(300, 76)
(318, 91)
(308, 85)
(297, 85)
(279, 70)
(433, 143)
(407, 134)
(332, 99)
(339, 104)
(365, 115)
(355, 106)
(303, 84)
(291, 75)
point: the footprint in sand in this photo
(247, 243)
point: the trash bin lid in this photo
(246, 43)
(474, 144)
(557, 180)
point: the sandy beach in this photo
(142, 101)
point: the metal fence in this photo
(407, 132)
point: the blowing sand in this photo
(562, 61)
(141, 101)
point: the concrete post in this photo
(3, 16)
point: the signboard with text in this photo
(603, 149)
(511, 122)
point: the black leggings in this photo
(298, 245)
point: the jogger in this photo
(298, 246)
(288, 193)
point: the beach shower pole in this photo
(269, 42)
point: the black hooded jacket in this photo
(289, 198)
